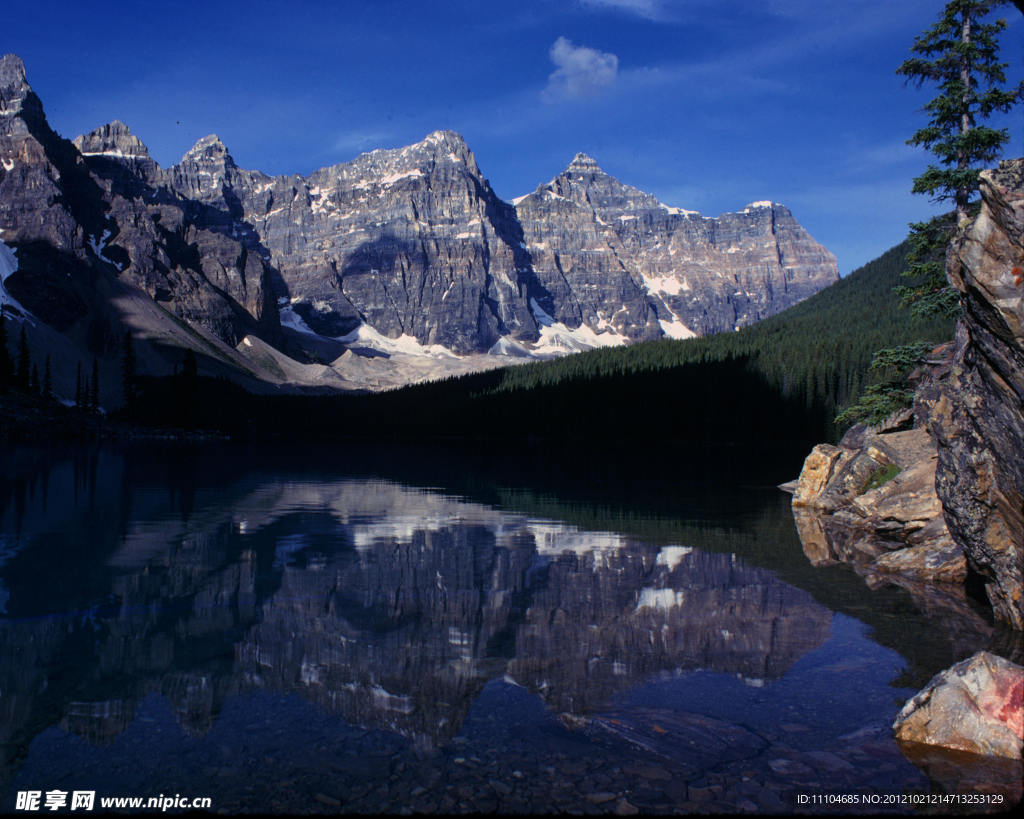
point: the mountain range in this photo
(397, 266)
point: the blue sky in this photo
(708, 104)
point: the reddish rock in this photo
(976, 706)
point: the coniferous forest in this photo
(782, 379)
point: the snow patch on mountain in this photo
(8, 261)
(507, 347)
(660, 599)
(676, 329)
(365, 336)
(674, 211)
(663, 284)
(558, 339)
(672, 556)
(292, 320)
(8, 265)
(98, 248)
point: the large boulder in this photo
(976, 706)
(975, 410)
(871, 501)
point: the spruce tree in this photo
(128, 385)
(189, 366)
(48, 381)
(960, 54)
(94, 387)
(24, 361)
(6, 365)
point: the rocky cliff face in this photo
(672, 272)
(410, 241)
(102, 246)
(975, 411)
(172, 247)
(413, 242)
(964, 511)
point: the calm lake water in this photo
(372, 630)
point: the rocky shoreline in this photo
(933, 499)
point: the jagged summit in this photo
(446, 136)
(583, 162)
(209, 147)
(451, 144)
(14, 87)
(443, 146)
(113, 139)
(12, 70)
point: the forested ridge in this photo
(817, 351)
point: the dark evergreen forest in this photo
(783, 379)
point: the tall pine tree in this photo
(6, 365)
(47, 380)
(21, 377)
(959, 54)
(128, 381)
(94, 387)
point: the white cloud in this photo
(361, 140)
(580, 72)
(650, 9)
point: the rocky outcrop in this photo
(975, 412)
(962, 481)
(972, 408)
(871, 501)
(975, 706)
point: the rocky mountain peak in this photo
(583, 162)
(14, 87)
(452, 145)
(12, 71)
(590, 187)
(209, 148)
(448, 138)
(114, 139)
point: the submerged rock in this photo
(963, 772)
(976, 706)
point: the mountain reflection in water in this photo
(388, 605)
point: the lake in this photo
(376, 629)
